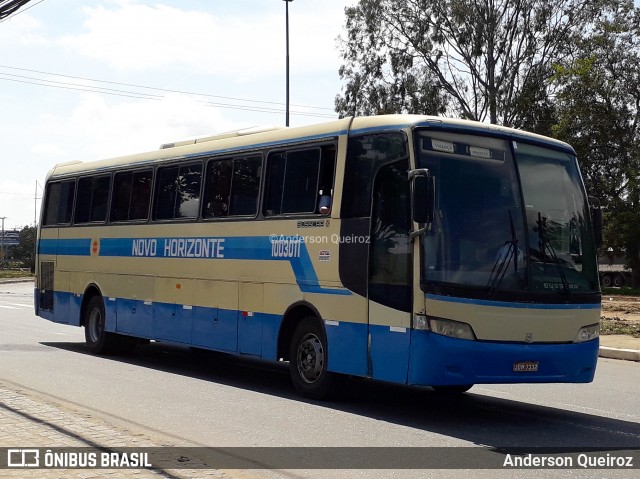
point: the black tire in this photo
(308, 360)
(606, 281)
(457, 389)
(97, 339)
(618, 280)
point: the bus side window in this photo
(178, 192)
(93, 196)
(231, 187)
(131, 196)
(245, 186)
(292, 182)
(140, 195)
(364, 155)
(59, 203)
(325, 185)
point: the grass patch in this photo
(626, 291)
(14, 273)
(619, 326)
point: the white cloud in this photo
(95, 129)
(130, 36)
(23, 30)
(17, 203)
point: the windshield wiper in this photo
(504, 256)
(544, 246)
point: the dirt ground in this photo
(623, 308)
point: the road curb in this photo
(616, 353)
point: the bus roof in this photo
(265, 137)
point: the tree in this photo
(486, 60)
(26, 248)
(598, 104)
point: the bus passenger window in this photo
(217, 189)
(178, 192)
(231, 187)
(325, 185)
(292, 182)
(140, 195)
(59, 203)
(245, 186)
(93, 196)
(131, 196)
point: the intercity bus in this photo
(410, 249)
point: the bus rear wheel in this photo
(308, 359)
(98, 340)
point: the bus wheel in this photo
(606, 281)
(98, 340)
(457, 389)
(308, 359)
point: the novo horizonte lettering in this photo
(178, 247)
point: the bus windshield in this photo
(490, 235)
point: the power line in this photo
(166, 90)
(9, 8)
(143, 96)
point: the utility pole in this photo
(2, 238)
(35, 205)
(287, 61)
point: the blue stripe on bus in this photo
(257, 248)
(500, 304)
(66, 247)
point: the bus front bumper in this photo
(437, 360)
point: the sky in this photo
(86, 80)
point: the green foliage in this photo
(486, 60)
(566, 68)
(597, 104)
(608, 326)
(25, 250)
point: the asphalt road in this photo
(219, 401)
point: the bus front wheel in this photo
(98, 340)
(308, 359)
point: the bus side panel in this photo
(215, 319)
(173, 320)
(214, 328)
(75, 309)
(270, 327)
(61, 297)
(134, 312)
(389, 353)
(347, 347)
(135, 317)
(250, 319)
(389, 331)
(111, 314)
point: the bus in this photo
(409, 249)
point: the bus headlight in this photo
(453, 329)
(587, 333)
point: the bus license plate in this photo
(525, 367)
